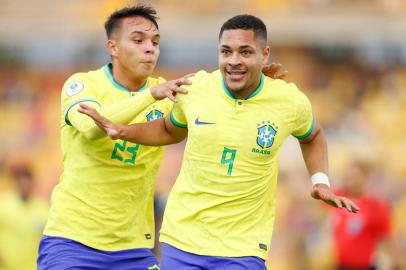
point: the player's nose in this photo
(149, 47)
(234, 59)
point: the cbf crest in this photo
(265, 137)
(154, 114)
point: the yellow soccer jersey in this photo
(105, 195)
(223, 202)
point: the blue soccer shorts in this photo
(173, 258)
(58, 253)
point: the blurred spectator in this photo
(358, 236)
(22, 218)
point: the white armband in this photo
(320, 178)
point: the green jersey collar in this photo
(253, 94)
(107, 70)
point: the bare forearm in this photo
(152, 133)
(314, 150)
(315, 153)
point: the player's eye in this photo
(155, 43)
(137, 41)
(245, 53)
(225, 52)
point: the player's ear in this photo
(265, 55)
(112, 47)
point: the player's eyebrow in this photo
(240, 47)
(245, 47)
(136, 32)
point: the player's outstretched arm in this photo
(124, 111)
(154, 133)
(314, 151)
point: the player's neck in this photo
(247, 92)
(243, 94)
(127, 79)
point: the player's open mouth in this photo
(235, 75)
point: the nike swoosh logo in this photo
(198, 122)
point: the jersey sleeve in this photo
(177, 115)
(78, 88)
(304, 121)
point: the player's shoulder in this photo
(204, 76)
(199, 81)
(75, 83)
(285, 89)
(88, 75)
(281, 85)
(83, 78)
(204, 81)
(79, 76)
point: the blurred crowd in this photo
(216, 5)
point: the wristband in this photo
(320, 178)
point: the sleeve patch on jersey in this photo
(74, 88)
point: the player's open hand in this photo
(273, 71)
(111, 129)
(169, 89)
(323, 192)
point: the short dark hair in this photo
(246, 22)
(113, 21)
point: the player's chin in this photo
(145, 71)
(235, 86)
